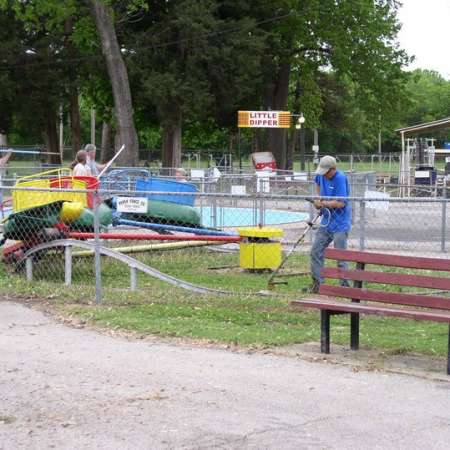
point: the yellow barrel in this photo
(257, 250)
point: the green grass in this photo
(242, 318)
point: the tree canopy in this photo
(175, 73)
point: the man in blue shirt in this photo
(336, 217)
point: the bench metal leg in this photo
(324, 331)
(354, 331)
(448, 352)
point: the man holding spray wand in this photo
(336, 222)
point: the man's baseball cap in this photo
(89, 147)
(325, 164)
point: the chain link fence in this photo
(130, 233)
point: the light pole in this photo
(300, 121)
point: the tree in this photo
(192, 61)
(123, 108)
(45, 76)
(355, 38)
(429, 95)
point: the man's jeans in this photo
(322, 240)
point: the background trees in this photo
(174, 73)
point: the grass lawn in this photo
(243, 318)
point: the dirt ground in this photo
(65, 385)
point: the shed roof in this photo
(427, 126)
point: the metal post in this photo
(351, 162)
(324, 331)
(261, 210)
(255, 208)
(97, 258)
(133, 278)
(239, 150)
(68, 265)
(93, 126)
(379, 143)
(302, 149)
(213, 212)
(362, 224)
(444, 218)
(29, 268)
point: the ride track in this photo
(131, 262)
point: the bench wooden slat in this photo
(424, 301)
(370, 309)
(399, 279)
(412, 262)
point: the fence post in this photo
(261, 210)
(68, 265)
(213, 212)
(29, 268)
(133, 278)
(444, 218)
(97, 258)
(362, 224)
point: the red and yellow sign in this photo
(264, 119)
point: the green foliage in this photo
(429, 95)
(206, 59)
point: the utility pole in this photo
(300, 127)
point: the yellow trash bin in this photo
(257, 250)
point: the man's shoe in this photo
(313, 288)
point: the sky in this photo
(425, 34)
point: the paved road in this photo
(62, 387)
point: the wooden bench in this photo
(358, 300)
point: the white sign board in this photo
(422, 174)
(300, 176)
(132, 204)
(262, 181)
(379, 205)
(197, 174)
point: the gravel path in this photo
(62, 387)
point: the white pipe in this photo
(111, 161)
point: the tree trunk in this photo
(107, 150)
(118, 75)
(172, 141)
(277, 137)
(51, 135)
(74, 108)
(258, 140)
(75, 127)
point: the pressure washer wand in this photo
(270, 282)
